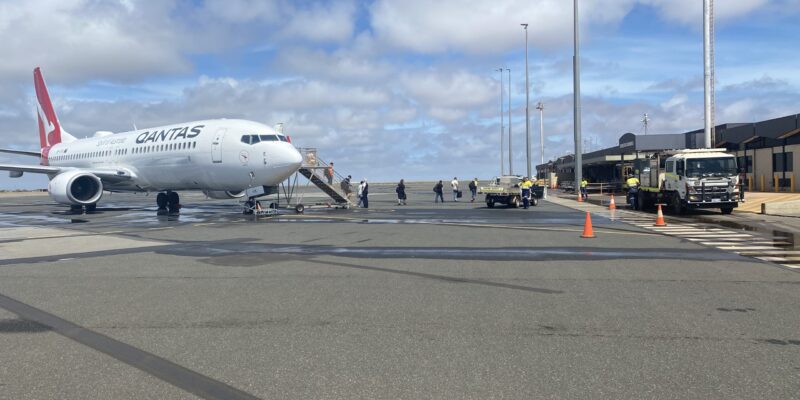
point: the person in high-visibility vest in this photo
(526, 192)
(633, 191)
(584, 184)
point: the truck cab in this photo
(702, 178)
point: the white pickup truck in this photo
(505, 190)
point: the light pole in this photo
(502, 127)
(708, 71)
(576, 82)
(540, 107)
(510, 152)
(527, 107)
(645, 121)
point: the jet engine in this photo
(76, 188)
(223, 194)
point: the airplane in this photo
(221, 157)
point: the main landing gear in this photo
(168, 203)
(79, 209)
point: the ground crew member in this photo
(584, 184)
(633, 191)
(329, 173)
(526, 192)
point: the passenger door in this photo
(216, 146)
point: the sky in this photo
(391, 89)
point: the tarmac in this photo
(445, 301)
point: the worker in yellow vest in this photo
(584, 185)
(526, 192)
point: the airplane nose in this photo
(297, 159)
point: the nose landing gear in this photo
(168, 203)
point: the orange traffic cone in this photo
(612, 205)
(587, 227)
(660, 218)
(580, 197)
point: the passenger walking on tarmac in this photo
(360, 189)
(526, 192)
(401, 193)
(584, 184)
(439, 190)
(347, 189)
(364, 189)
(473, 188)
(329, 173)
(454, 185)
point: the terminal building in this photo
(764, 150)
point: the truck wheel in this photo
(677, 206)
(534, 201)
(513, 202)
(727, 210)
(489, 202)
(299, 208)
(641, 200)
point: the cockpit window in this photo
(269, 138)
(283, 138)
(246, 139)
(254, 139)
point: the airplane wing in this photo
(22, 152)
(105, 174)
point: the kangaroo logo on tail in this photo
(49, 128)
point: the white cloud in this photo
(690, 12)
(322, 23)
(75, 39)
(483, 27)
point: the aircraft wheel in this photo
(299, 208)
(91, 207)
(161, 200)
(173, 198)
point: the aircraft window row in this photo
(123, 152)
(253, 139)
(164, 147)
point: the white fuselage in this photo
(201, 155)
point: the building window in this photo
(745, 162)
(782, 162)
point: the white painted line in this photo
(732, 240)
(768, 252)
(745, 247)
(792, 266)
(710, 235)
(773, 259)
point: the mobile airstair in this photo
(313, 168)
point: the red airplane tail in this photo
(49, 128)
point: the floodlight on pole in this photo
(576, 82)
(645, 121)
(502, 127)
(540, 107)
(527, 107)
(510, 151)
